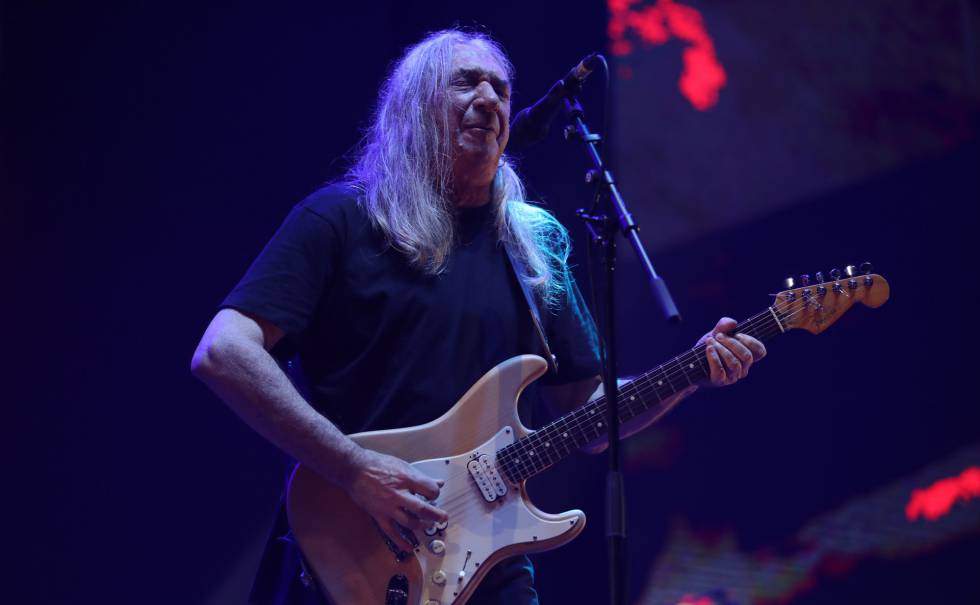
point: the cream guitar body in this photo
(490, 517)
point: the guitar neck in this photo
(650, 391)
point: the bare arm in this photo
(233, 360)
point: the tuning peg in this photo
(835, 275)
(850, 270)
(805, 280)
(789, 283)
(821, 289)
(867, 268)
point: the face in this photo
(479, 115)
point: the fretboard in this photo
(648, 393)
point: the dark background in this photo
(150, 150)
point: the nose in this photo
(486, 97)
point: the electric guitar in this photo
(485, 455)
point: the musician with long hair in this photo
(394, 289)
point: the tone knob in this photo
(437, 547)
(439, 577)
(431, 531)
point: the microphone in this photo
(531, 125)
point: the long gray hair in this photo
(403, 169)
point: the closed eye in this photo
(472, 77)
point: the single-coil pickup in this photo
(487, 479)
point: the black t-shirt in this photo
(379, 344)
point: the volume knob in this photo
(437, 547)
(439, 577)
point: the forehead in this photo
(473, 56)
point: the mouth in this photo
(482, 128)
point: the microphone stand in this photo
(603, 230)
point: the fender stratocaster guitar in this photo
(485, 455)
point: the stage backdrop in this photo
(151, 150)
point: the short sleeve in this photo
(573, 339)
(288, 278)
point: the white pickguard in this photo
(477, 528)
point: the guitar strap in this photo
(533, 308)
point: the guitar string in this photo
(574, 421)
(588, 423)
(583, 422)
(749, 325)
(578, 419)
(637, 387)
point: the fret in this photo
(760, 325)
(632, 403)
(685, 366)
(647, 388)
(662, 386)
(544, 447)
(699, 356)
(665, 388)
(533, 458)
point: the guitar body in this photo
(490, 516)
(349, 556)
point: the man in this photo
(397, 289)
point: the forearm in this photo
(243, 374)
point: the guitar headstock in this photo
(815, 306)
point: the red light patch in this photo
(938, 499)
(692, 600)
(703, 76)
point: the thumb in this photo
(425, 485)
(725, 324)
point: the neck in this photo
(472, 196)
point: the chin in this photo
(478, 152)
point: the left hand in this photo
(729, 358)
